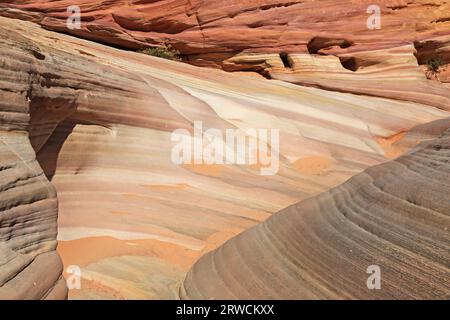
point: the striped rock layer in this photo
(326, 43)
(211, 30)
(394, 216)
(30, 268)
(99, 122)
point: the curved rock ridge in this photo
(30, 268)
(323, 43)
(394, 216)
(100, 120)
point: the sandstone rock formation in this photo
(321, 248)
(30, 268)
(208, 31)
(323, 43)
(100, 121)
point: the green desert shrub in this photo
(165, 52)
(434, 64)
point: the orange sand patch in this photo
(119, 213)
(85, 251)
(98, 289)
(388, 145)
(313, 165)
(212, 170)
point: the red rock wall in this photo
(338, 50)
(217, 29)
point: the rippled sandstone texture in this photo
(100, 121)
(325, 43)
(30, 268)
(394, 215)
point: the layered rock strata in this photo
(326, 44)
(30, 268)
(101, 120)
(394, 216)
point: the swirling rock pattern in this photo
(394, 215)
(100, 121)
(30, 268)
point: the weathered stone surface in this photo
(394, 216)
(29, 266)
(219, 27)
(323, 43)
(100, 121)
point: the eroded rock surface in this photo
(30, 268)
(100, 121)
(326, 44)
(394, 216)
(214, 29)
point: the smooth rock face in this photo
(100, 121)
(322, 247)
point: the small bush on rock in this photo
(165, 52)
